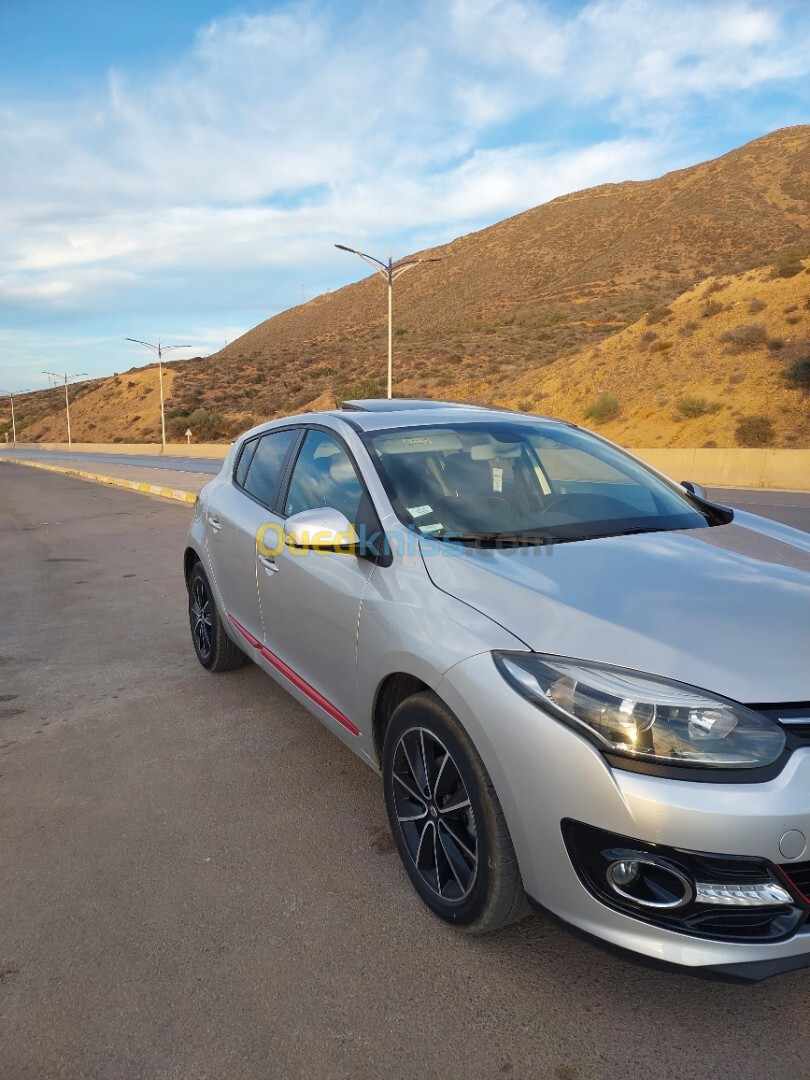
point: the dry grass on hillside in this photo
(123, 408)
(689, 373)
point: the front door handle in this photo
(215, 523)
(269, 564)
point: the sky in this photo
(181, 170)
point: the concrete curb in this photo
(116, 481)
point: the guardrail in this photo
(194, 450)
(734, 466)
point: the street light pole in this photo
(58, 378)
(10, 394)
(159, 350)
(390, 271)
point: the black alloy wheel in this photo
(214, 649)
(446, 819)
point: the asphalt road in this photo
(146, 461)
(790, 507)
(198, 880)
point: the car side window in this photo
(245, 458)
(324, 476)
(264, 468)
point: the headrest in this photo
(341, 471)
(327, 449)
(488, 452)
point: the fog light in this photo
(765, 894)
(649, 882)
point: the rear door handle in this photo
(269, 564)
(215, 523)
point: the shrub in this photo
(747, 336)
(798, 375)
(662, 346)
(366, 388)
(711, 307)
(648, 336)
(791, 320)
(605, 407)
(775, 343)
(691, 406)
(787, 270)
(714, 286)
(658, 314)
(688, 329)
(790, 308)
(756, 305)
(754, 431)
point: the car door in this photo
(236, 514)
(311, 601)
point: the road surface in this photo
(91, 461)
(198, 880)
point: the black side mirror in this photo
(694, 489)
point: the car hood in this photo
(724, 608)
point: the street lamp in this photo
(59, 378)
(390, 271)
(10, 394)
(159, 350)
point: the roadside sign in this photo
(188, 435)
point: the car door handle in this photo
(215, 523)
(269, 564)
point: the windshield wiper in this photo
(535, 539)
(635, 530)
(494, 539)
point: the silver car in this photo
(585, 685)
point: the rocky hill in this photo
(524, 311)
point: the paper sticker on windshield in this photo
(497, 479)
(431, 528)
(418, 440)
(419, 511)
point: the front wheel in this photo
(446, 819)
(213, 647)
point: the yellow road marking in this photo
(133, 485)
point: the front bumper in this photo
(545, 772)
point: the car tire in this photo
(214, 649)
(447, 821)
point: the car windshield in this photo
(523, 481)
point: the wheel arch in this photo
(392, 691)
(190, 560)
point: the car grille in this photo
(794, 717)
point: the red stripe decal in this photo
(296, 680)
(246, 634)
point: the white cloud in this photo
(278, 133)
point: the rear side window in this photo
(245, 458)
(264, 469)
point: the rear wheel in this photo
(213, 647)
(447, 821)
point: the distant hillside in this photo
(726, 364)
(521, 304)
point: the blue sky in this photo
(182, 169)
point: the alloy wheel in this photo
(435, 815)
(201, 617)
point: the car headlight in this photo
(644, 717)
